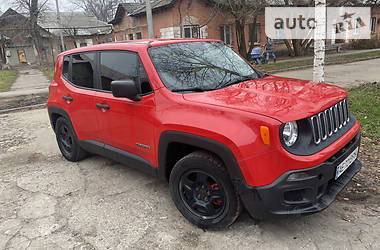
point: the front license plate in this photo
(346, 163)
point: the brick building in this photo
(197, 19)
(175, 19)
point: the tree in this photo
(319, 41)
(243, 11)
(34, 9)
(103, 10)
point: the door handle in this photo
(101, 106)
(67, 98)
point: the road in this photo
(344, 75)
(47, 202)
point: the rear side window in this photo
(65, 67)
(82, 73)
(116, 65)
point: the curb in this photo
(310, 66)
(30, 107)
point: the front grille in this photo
(329, 121)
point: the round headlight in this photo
(290, 133)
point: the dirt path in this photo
(30, 81)
(47, 202)
(343, 75)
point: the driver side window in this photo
(122, 65)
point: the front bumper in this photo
(309, 191)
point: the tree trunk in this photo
(240, 37)
(319, 41)
(35, 31)
(252, 31)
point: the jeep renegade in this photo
(224, 135)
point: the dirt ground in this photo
(47, 202)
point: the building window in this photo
(191, 31)
(138, 35)
(130, 37)
(257, 32)
(373, 24)
(226, 33)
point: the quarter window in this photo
(115, 65)
(65, 67)
(83, 70)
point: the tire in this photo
(202, 191)
(67, 141)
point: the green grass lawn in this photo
(309, 62)
(49, 72)
(7, 78)
(364, 103)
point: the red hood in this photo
(284, 99)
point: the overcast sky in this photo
(64, 5)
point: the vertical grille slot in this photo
(329, 121)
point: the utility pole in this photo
(319, 41)
(59, 23)
(149, 19)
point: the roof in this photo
(130, 7)
(157, 4)
(124, 8)
(77, 20)
(135, 44)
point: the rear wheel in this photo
(202, 191)
(67, 141)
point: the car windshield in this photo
(199, 66)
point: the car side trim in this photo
(213, 146)
(124, 157)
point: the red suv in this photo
(196, 114)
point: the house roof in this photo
(130, 7)
(74, 20)
(157, 4)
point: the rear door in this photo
(78, 97)
(126, 124)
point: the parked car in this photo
(196, 114)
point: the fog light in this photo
(298, 176)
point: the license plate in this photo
(346, 163)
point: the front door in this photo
(21, 56)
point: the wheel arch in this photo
(55, 113)
(191, 143)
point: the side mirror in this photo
(125, 88)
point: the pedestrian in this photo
(256, 55)
(269, 49)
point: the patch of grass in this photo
(49, 72)
(7, 78)
(364, 103)
(309, 62)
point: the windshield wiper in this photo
(238, 80)
(195, 89)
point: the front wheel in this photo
(202, 191)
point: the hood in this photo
(284, 99)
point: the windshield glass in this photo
(199, 66)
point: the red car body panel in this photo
(284, 99)
(231, 116)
